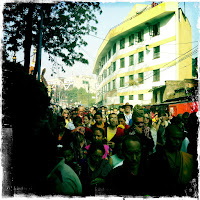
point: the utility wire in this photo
(190, 54)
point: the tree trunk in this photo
(28, 38)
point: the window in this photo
(105, 73)
(140, 96)
(109, 69)
(141, 57)
(108, 86)
(130, 97)
(156, 75)
(121, 81)
(131, 40)
(122, 64)
(156, 52)
(106, 57)
(109, 54)
(140, 36)
(113, 84)
(114, 66)
(122, 43)
(121, 99)
(131, 60)
(141, 78)
(154, 30)
(131, 78)
(114, 49)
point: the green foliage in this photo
(64, 25)
(75, 95)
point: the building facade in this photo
(152, 45)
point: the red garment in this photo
(127, 126)
(120, 132)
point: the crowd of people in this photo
(122, 151)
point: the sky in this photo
(113, 13)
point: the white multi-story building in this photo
(152, 45)
(74, 81)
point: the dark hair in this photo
(121, 116)
(60, 119)
(171, 129)
(161, 113)
(98, 113)
(110, 115)
(128, 138)
(94, 146)
(77, 119)
(99, 129)
(138, 111)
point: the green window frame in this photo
(121, 81)
(131, 60)
(122, 62)
(122, 43)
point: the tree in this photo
(64, 25)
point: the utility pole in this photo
(38, 60)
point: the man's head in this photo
(113, 120)
(131, 148)
(115, 111)
(77, 121)
(185, 117)
(121, 119)
(162, 115)
(98, 134)
(121, 109)
(96, 152)
(127, 109)
(91, 109)
(138, 119)
(81, 110)
(174, 137)
(98, 118)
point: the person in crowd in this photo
(106, 110)
(137, 128)
(99, 123)
(99, 135)
(128, 179)
(87, 120)
(62, 180)
(121, 109)
(127, 113)
(68, 154)
(94, 169)
(118, 157)
(170, 169)
(192, 127)
(66, 116)
(81, 111)
(113, 133)
(115, 110)
(104, 119)
(122, 121)
(94, 111)
(185, 117)
(186, 141)
(87, 131)
(148, 123)
(155, 117)
(160, 126)
(60, 129)
(79, 133)
(91, 109)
